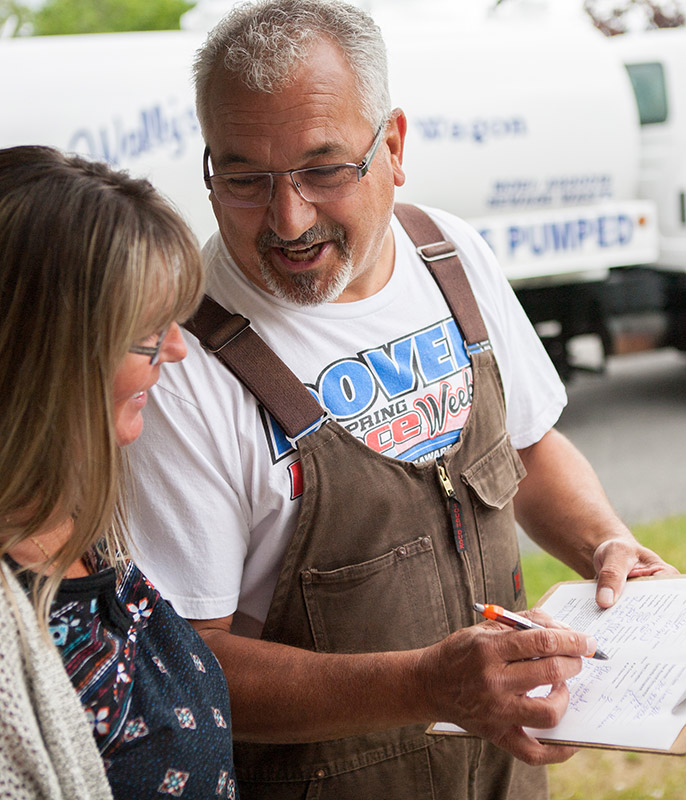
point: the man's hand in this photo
(620, 558)
(562, 506)
(478, 678)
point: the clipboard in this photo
(678, 746)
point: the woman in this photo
(95, 272)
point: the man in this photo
(332, 565)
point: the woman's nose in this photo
(173, 347)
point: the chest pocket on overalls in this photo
(493, 482)
(390, 602)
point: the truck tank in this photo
(532, 134)
(125, 98)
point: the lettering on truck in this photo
(479, 129)
(565, 190)
(603, 231)
(536, 239)
(153, 128)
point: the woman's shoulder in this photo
(136, 593)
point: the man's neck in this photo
(371, 281)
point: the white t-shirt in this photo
(217, 494)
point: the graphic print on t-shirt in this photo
(408, 399)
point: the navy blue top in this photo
(152, 690)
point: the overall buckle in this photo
(208, 343)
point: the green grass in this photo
(666, 537)
(606, 774)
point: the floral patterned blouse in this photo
(152, 690)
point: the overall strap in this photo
(231, 339)
(446, 268)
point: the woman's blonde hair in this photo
(91, 260)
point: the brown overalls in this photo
(391, 555)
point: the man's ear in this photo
(395, 139)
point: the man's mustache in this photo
(313, 235)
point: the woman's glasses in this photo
(150, 350)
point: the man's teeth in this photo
(302, 255)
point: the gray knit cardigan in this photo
(47, 749)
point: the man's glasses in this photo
(150, 350)
(314, 184)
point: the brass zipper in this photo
(455, 512)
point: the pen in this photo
(499, 614)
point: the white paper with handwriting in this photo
(636, 699)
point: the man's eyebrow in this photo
(230, 160)
(328, 149)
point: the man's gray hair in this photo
(265, 42)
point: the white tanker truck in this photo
(567, 152)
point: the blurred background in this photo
(557, 127)
(51, 17)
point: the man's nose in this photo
(289, 215)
